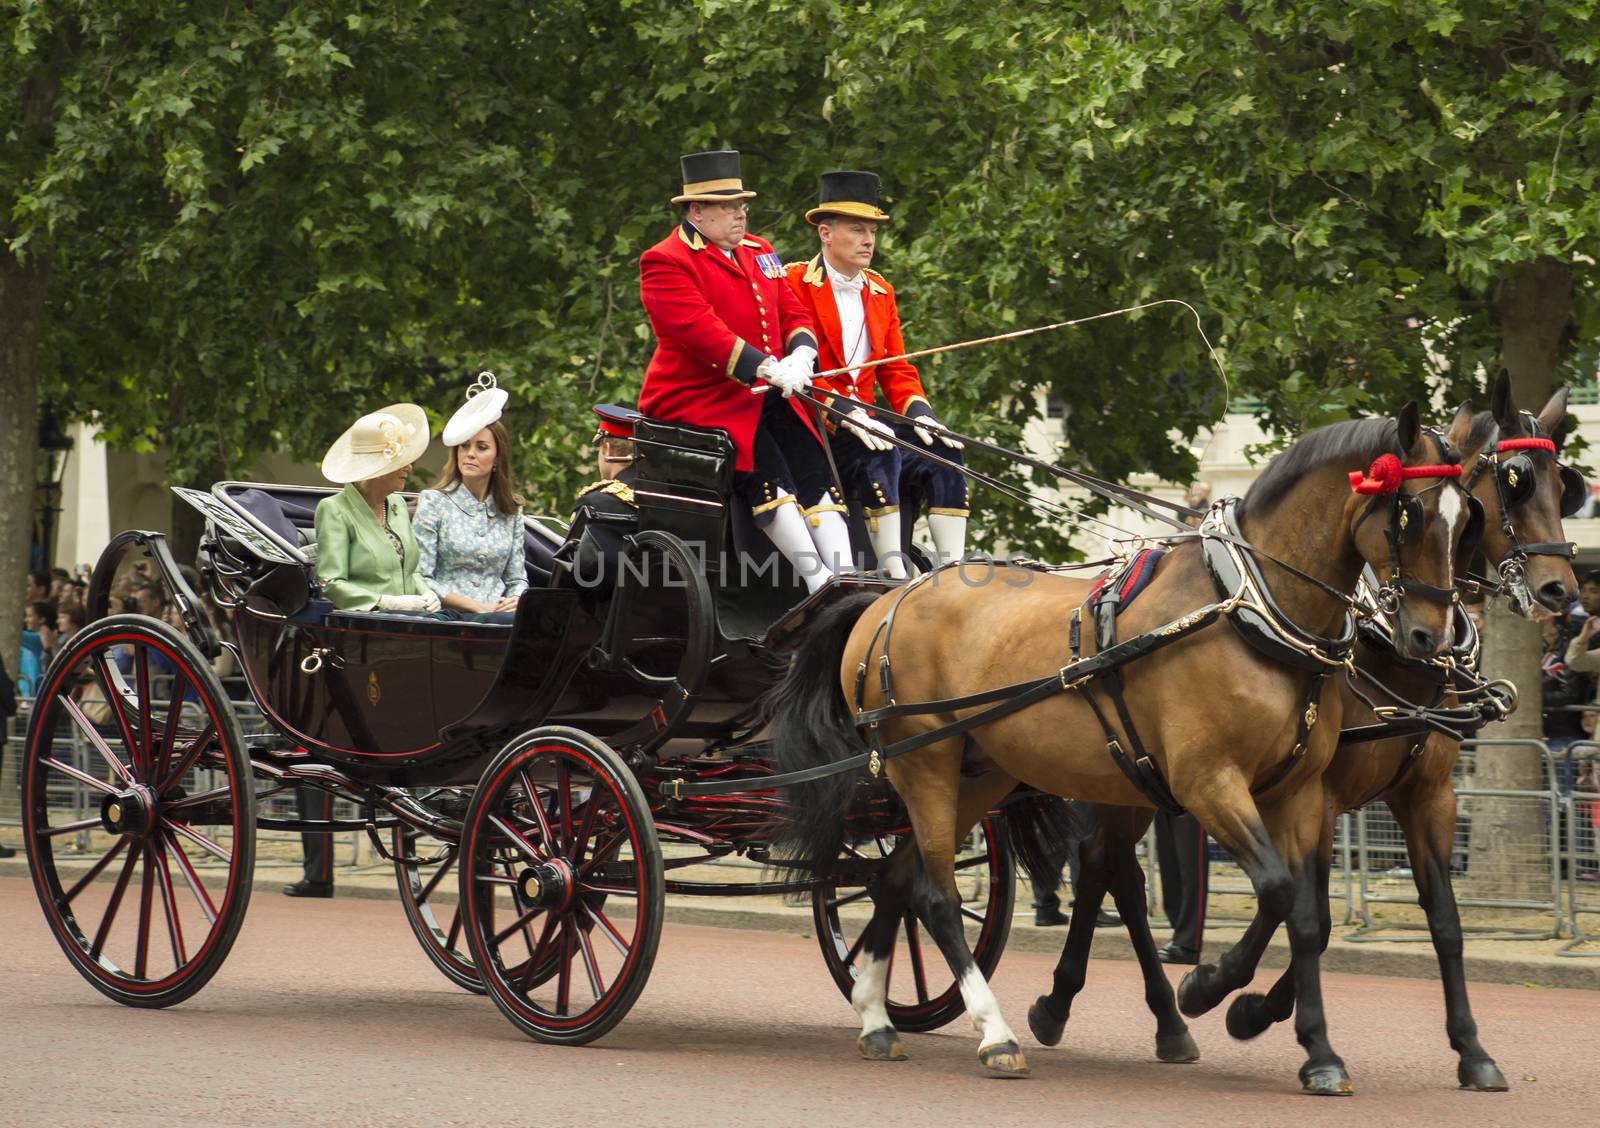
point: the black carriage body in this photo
(403, 701)
(426, 702)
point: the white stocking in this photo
(885, 534)
(831, 536)
(789, 531)
(949, 535)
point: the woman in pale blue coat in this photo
(469, 524)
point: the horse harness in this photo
(1514, 480)
(1243, 598)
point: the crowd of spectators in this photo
(55, 609)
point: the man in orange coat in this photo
(728, 327)
(857, 321)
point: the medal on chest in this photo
(771, 264)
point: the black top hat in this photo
(712, 177)
(847, 193)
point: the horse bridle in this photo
(1407, 518)
(1515, 479)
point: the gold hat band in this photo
(855, 209)
(733, 184)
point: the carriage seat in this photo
(291, 519)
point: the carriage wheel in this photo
(423, 865)
(562, 885)
(986, 875)
(140, 828)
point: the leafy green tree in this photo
(229, 227)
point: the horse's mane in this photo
(1483, 430)
(1359, 439)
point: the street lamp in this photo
(51, 467)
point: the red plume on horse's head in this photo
(1387, 473)
(1383, 478)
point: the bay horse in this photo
(1416, 783)
(1523, 537)
(1213, 723)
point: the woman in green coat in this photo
(366, 555)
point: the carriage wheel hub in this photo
(128, 812)
(548, 885)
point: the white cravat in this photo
(853, 344)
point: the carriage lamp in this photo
(54, 447)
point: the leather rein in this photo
(1243, 592)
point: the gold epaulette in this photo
(620, 490)
(748, 242)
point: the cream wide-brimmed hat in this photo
(485, 403)
(378, 443)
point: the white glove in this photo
(805, 359)
(791, 374)
(430, 602)
(407, 602)
(927, 427)
(765, 370)
(868, 429)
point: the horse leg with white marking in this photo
(892, 895)
(891, 898)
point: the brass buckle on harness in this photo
(673, 788)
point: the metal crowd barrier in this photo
(1540, 877)
(1522, 877)
(1581, 813)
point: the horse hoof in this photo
(1326, 1080)
(1193, 1000)
(1248, 1017)
(1046, 1027)
(1481, 1075)
(1177, 1048)
(881, 1045)
(1004, 1059)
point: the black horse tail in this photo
(811, 725)
(1041, 830)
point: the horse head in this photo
(1422, 513)
(1518, 479)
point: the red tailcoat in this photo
(901, 384)
(715, 321)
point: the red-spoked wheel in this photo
(562, 886)
(921, 994)
(138, 811)
(422, 867)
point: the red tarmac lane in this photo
(327, 1013)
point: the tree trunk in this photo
(22, 294)
(1533, 307)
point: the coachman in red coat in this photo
(728, 326)
(857, 321)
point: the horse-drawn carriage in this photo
(561, 768)
(525, 772)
